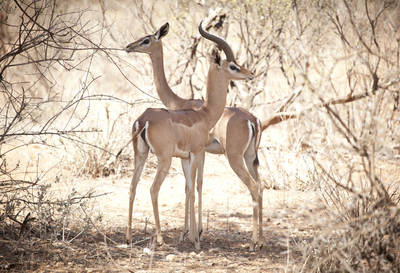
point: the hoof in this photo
(128, 236)
(256, 246)
(195, 241)
(183, 235)
(159, 240)
(128, 239)
(197, 245)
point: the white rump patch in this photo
(142, 146)
(136, 125)
(258, 136)
(250, 126)
(146, 126)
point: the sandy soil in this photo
(224, 244)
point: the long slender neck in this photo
(167, 96)
(217, 86)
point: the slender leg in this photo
(141, 152)
(251, 160)
(185, 168)
(200, 171)
(186, 171)
(260, 215)
(252, 165)
(193, 233)
(162, 170)
(237, 164)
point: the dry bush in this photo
(41, 44)
(365, 244)
(351, 140)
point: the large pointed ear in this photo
(162, 31)
(215, 56)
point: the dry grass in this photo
(225, 242)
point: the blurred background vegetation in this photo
(69, 95)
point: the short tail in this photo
(120, 151)
(137, 128)
(257, 131)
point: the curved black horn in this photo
(222, 44)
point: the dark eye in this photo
(234, 67)
(145, 41)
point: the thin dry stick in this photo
(153, 246)
(112, 259)
(287, 249)
(348, 189)
(282, 116)
(98, 230)
(227, 214)
(208, 216)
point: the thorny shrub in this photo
(30, 208)
(39, 42)
(370, 243)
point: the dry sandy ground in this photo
(227, 211)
